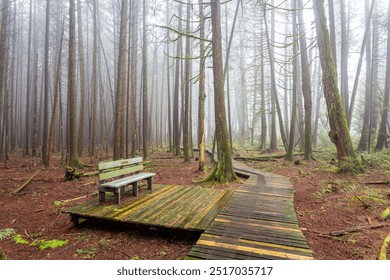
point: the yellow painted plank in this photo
(253, 250)
(257, 225)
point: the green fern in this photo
(7, 232)
(55, 243)
(19, 239)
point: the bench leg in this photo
(135, 188)
(150, 182)
(117, 196)
(102, 196)
(75, 220)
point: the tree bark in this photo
(306, 84)
(82, 79)
(73, 159)
(339, 131)
(145, 139)
(382, 134)
(224, 169)
(202, 91)
(45, 145)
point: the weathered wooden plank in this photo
(120, 172)
(119, 163)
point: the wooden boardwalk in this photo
(258, 222)
(178, 207)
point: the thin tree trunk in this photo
(145, 87)
(73, 158)
(82, 79)
(202, 91)
(363, 142)
(27, 124)
(134, 35)
(45, 145)
(306, 83)
(176, 128)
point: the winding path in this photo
(257, 222)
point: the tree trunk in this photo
(27, 123)
(94, 86)
(134, 39)
(363, 142)
(275, 98)
(176, 109)
(186, 124)
(344, 38)
(82, 79)
(45, 145)
(202, 91)
(339, 132)
(121, 85)
(224, 169)
(306, 84)
(291, 145)
(382, 134)
(145, 87)
(73, 159)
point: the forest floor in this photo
(326, 201)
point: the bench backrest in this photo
(117, 168)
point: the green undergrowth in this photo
(41, 244)
(379, 159)
(7, 232)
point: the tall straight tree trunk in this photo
(170, 140)
(374, 102)
(57, 85)
(121, 85)
(363, 142)
(134, 39)
(263, 136)
(382, 134)
(202, 91)
(176, 110)
(275, 98)
(306, 83)
(145, 138)
(73, 158)
(94, 79)
(186, 124)
(339, 132)
(224, 169)
(45, 145)
(34, 136)
(82, 78)
(27, 123)
(291, 144)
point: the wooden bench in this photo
(114, 176)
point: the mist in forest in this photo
(81, 78)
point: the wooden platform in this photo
(179, 207)
(258, 222)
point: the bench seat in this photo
(118, 186)
(114, 176)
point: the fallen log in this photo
(385, 214)
(73, 199)
(357, 228)
(15, 192)
(383, 250)
(377, 183)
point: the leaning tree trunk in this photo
(339, 132)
